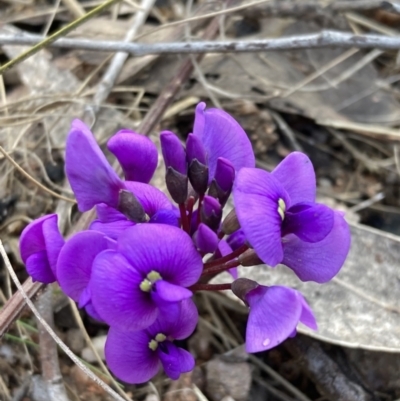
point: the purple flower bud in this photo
(173, 152)
(40, 245)
(205, 239)
(176, 168)
(224, 174)
(136, 153)
(211, 212)
(195, 150)
(274, 313)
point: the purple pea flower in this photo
(136, 153)
(270, 206)
(92, 178)
(40, 245)
(135, 357)
(274, 313)
(147, 273)
(74, 266)
(222, 136)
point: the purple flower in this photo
(135, 357)
(147, 273)
(274, 313)
(270, 206)
(136, 153)
(40, 245)
(222, 136)
(92, 178)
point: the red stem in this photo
(210, 287)
(201, 197)
(189, 207)
(226, 258)
(220, 268)
(184, 218)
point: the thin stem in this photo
(184, 218)
(210, 287)
(220, 268)
(226, 258)
(189, 207)
(62, 32)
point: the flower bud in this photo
(173, 152)
(205, 239)
(195, 150)
(230, 223)
(130, 206)
(221, 185)
(242, 286)
(197, 161)
(176, 168)
(177, 185)
(211, 212)
(250, 258)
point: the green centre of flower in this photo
(159, 338)
(281, 208)
(147, 284)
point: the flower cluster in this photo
(142, 258)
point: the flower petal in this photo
(296, 174)
(319, 261)
(75, 261)
(129, 357)
(163, 248)
(225, 249)
(222, 136)
(175, 360)
(42, 235)
(170, 292)
(256, 194)
(205, 239)
(274, 314)
(38, 267)
(307, 316)
(312, 223)
(91, 177)
(116, 293)
(170, 217)
(113, 229)
(136, 153)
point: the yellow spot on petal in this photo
(281, 208)
(160, 337)
(153, 276)
(145, 285)
(153, 345)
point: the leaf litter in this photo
(309, 90)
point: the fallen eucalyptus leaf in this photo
(360, 307)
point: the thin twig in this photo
(57, 339)
(22, 171)
(62, 32)
(318, 40)
(48, 350)
(119, 59)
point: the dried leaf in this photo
(360, 307)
